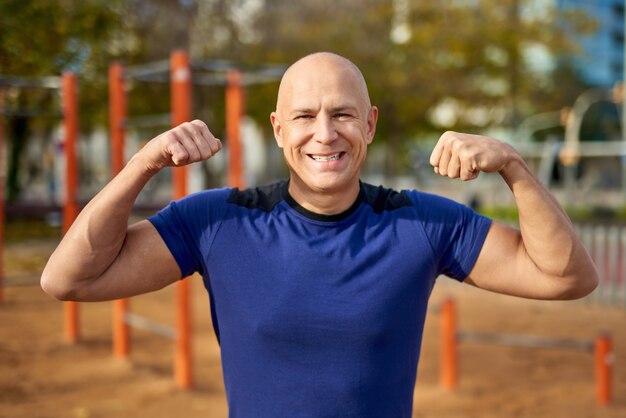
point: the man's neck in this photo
(324, 202)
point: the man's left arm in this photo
(544, 259)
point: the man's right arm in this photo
(101, 257)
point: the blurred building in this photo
(601, 62)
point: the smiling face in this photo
(324, 122)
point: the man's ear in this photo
(372, 119)
(278, 130)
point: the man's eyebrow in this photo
(302, 110)
(343, 108)
(335, 109)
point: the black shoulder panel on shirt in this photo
(381, 199)
(267, 197)
(264, 198)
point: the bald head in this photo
(324, 122)
(314, 71)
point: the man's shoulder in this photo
(264, 197)
(386, 199)
(382, 199)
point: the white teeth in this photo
(326, 157)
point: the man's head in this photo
(312, 63)
(323, 122)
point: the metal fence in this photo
(607, 245)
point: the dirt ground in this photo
(41, 376)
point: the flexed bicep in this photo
(144, 264)
(100, 257)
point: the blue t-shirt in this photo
(320, 316)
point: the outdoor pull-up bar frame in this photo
(2, 180)
(180, 95)
(180, 77)
(67, 84)
(50, 82)
(117, 114)
(234, 112)
(451, 337)
(69, 99)
(181, 80)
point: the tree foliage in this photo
(46, 38)
(430, 65)
(477, 57)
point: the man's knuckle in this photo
(458, 146)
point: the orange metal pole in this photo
(70, 209)
(181, 112)
(234, 112)
(117, 115)
(449, 354)
(603, 367)
(181, 109)
(2, 179)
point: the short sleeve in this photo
(188, 226)
(455, 232)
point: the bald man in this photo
(319, 284)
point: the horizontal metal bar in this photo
(212, 65)
(19, 282)
(582, 149)
(524, 341)
(30, 113)
(145, 71)
(225, 65)
(146, 324)
(161, 119)
(50, 82)
(155, 78)
(214, 79)
(253, 78)
(537, 149)
(601, 149)
(158, 72)
(272, 71)
(220, 79)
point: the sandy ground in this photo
(41, 376)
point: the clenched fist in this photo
(464, 156)
(185, 144)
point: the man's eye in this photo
(343, 115)
(304, 117)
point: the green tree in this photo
(43, 38)
(418, 56)
(474, 54)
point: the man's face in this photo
(323, 123)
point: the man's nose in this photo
(325, 131)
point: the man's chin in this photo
(329, 185)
